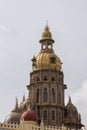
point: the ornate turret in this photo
(72, 118)
(46, 88)
(46, 35)
(46, 59)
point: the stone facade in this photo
(46, 90)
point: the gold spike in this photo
(46, 27)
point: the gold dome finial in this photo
(46, 27)
(46, 59)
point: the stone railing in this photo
(31, 127)
(9, 126)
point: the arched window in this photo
(53, 79)
(53, 115)
(45, 96)
(53, 95)
(45, 115)
(43, 46)
(49, 46)
(45, 78)
(37, 95)
(59, 118)
(37, 79)
(59, 99)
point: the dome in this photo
(29, 115)
(47, 60)
(13, 117)
(71, 109)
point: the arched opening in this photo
(53, 115)
(45, 114)
(59, 99)
(53, 79)
(37, 95)
(45, 95)
(53, 95)
(37, 79)
(45, 78)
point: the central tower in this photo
(46, 88)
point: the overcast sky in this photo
(21, 26)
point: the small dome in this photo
(13, 117)
(71, 109)
(29, 115)
(46, 35)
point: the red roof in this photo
(29, 115)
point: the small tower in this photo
(72, 118)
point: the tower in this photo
(46, 91)
(46, 88)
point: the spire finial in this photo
(46, 29)
(70, 102)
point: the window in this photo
(45, 78)
(59, 80)
(49, 46)
(53, 79)
(45, 96)
(44, 47)
(53, 95)
(53, 115)
(59, 99)
(37, 79)
(59, 118)
(45, 115)
(37, 96)
(52, 60)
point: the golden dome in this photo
(47, 60)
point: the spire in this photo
(16, 103)
(69, 102)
